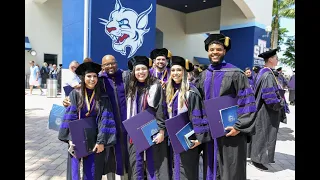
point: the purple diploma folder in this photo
(83, 134)
(174, 125)
(134, 127)
(213, 107)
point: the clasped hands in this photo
(98, 148)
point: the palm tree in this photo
(281, 9)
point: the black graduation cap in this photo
(88, 67)
(219, 38)
(136, 60)
(256, 69)
(177, 60)
(160, 52)
(268, 54)
(279, 69)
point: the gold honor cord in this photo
(88, 103)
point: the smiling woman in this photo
(87, 104)
(145, 92)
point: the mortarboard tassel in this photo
(169, 54)
(150, 62)
(226, 41)
(187, 64)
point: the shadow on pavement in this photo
(286, 161)
(45, 155)
(31, 110)
(284, 134)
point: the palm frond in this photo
(284, 4)
(288, 13)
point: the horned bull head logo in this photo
(126, 28)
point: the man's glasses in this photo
(109, 64)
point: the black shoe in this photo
(259, 166)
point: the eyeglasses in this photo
(109, 64)
(73, 67)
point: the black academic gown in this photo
(226, 79)
(94, 164)
(115, 86)
(270, 112)
(156, 166)
(291, 86)
(186, 164)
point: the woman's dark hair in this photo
(256, 69)
(132, 87)
(82, 96)
(196, 72)
(246, 69)
(203, 66)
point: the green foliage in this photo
(289, 53)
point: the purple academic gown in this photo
(292, 88)
(225, 157)
(186, 164)
(114, 85)
(92, 166)
(270, 112)
(160, 74)
(156, 155)
(251, 82)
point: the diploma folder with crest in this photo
(56, 117)
(178, 127)
(84, 135)
(141, 129)
(221, 112)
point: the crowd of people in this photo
(170, 85)
(285, 81)
(38, 76)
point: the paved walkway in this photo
(45, 155)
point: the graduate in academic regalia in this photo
(220, 79)
(271, 108)
(114, 82)
(281, 79)
(184, 97)
(145, 91)
(161, 70)
(160, 58)
(255, 70)
(88, 102)
(292, 89)
(249, 75)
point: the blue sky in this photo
(290, 25)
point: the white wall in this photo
(173, 25)
(262, 10)
(197, 22)
(43, 26)
(231, 14)
(195, 45)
